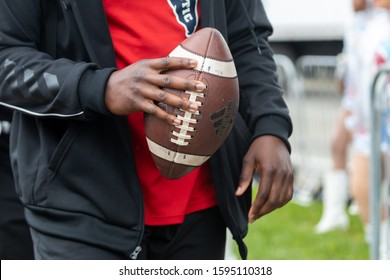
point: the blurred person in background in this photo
(375, 53)
(15, 239)
(336, 183)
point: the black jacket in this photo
(72, 160)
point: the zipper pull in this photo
(134, 255)
(5, 127)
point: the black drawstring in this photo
(251, 25)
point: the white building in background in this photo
(308, 26)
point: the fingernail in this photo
(176, 121)
(200, 87)
(193, 62)
(252, 218)
(194, 107)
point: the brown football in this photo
(177, 150)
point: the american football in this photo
(178, 150)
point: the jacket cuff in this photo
(276, 126)
(92, 89)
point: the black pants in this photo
(202, 236)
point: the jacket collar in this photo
(96, 34)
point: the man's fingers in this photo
(172, 63)
(246, 176)
(262, 197)
(275, 190)
(161, 96)
(174, 82)
(152, 109)
(140, 86)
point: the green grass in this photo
(288, 234)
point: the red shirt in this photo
(152, 29)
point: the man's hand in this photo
(138, 86)
(267, 155)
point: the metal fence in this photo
(312, 94)
(380, 164)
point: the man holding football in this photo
(80, 75)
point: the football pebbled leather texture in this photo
(178, 150)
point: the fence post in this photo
(376, 162)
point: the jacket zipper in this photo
(67, 6)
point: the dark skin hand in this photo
(138, 86)
(269, 156)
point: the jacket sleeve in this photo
(33, 82)
(261, 105)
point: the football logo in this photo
(223, 119)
